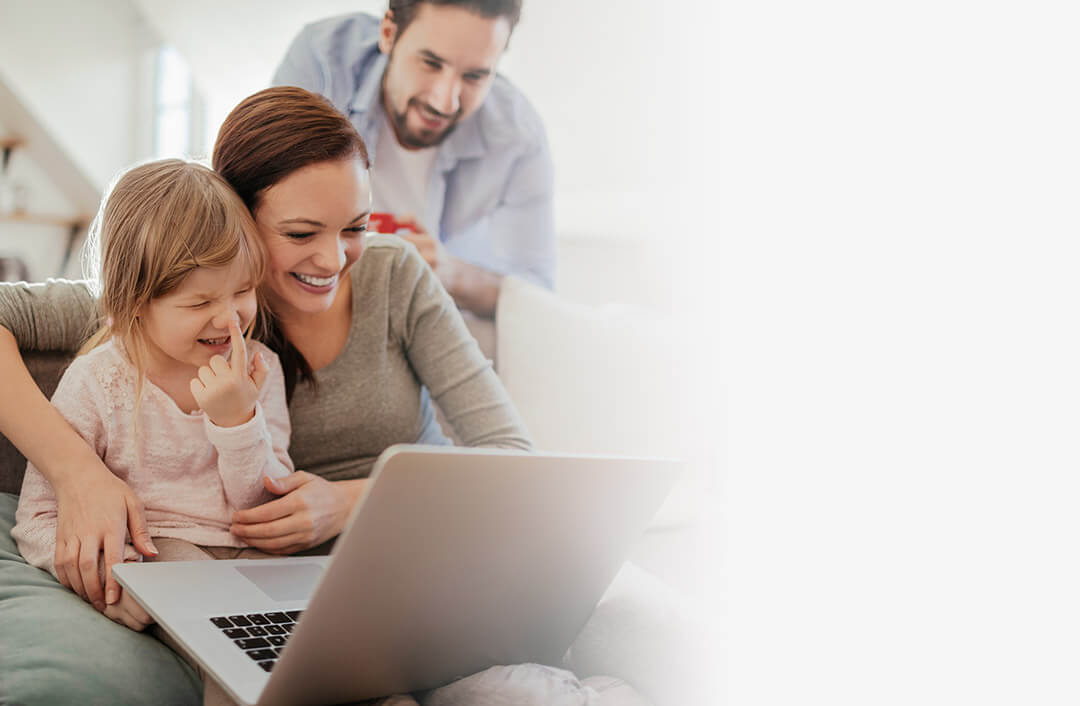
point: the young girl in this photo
(165, 392)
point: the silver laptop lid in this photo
(459, 559)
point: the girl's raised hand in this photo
(227, 390)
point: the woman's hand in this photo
(128, 613)
(310, 511)
(94, 507)
(94, 514)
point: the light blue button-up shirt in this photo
(492, 185)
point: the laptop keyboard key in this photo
(252, 643)
(261, 635)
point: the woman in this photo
(362, 340)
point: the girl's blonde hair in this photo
(159, 221)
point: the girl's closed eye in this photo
(298, 235)
(357, 229)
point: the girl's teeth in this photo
(315, 281)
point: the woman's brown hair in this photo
(270, 135)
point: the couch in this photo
(585, 381)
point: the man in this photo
(458, 153)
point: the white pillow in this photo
(588, 380)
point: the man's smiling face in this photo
(440, 70)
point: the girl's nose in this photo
(222, 318)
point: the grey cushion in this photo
(56, 649)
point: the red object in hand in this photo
(386, 223)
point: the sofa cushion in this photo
(56, 649)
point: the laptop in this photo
(454, 560)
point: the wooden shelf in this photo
(76, 227)
(44, 219)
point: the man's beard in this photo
(412, 140)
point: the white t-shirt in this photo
(400, 177)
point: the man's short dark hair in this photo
(405, 10)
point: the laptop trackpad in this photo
(284, 583)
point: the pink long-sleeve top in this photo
(189, 473)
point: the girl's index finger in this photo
(238, 359)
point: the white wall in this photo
(233, 47)
(596, 73)
(76, 65)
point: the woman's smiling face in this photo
(313, 223)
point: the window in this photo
(178, 110)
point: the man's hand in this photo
(472, 287)
(95, 515)
(310, 511)
(226, 390)
(429, 246)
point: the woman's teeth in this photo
(315, 281)
(215, 341)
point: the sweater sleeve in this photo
(80, 400)
(257, 448)
(56, 315)
(448, 360)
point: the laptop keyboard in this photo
(261, 635)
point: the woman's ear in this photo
(387, 32)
